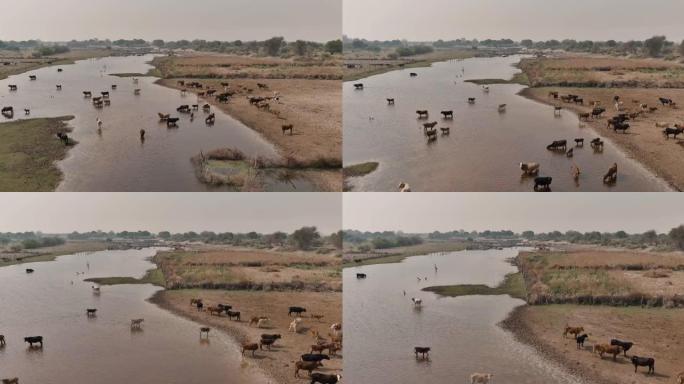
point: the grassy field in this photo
(512, 285)
(28, 152)
(602, 276)
(655, 332)
(309, 98)
(49, 253)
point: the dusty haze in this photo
(49, 20)
(427, 212)
(426, 20)
(175, 212)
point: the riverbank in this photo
(360, 65)
(309, 99)
(277, 363)
(512, 285)
(153, 276)
(655, 333)
(29, 151)
(20, 64)
(50, 253)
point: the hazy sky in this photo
(175, 212)
(427, 212)
(515, 19)
(60, 20)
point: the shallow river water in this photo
(382, 326)
(52, 302)
(116, 159)
(484, 147)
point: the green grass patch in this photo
(489, 81)
(512, 285)
(28, 152)
(362, 169)
(153, 276)
(128, 74)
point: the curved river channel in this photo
(484, 147)
(116, 159)
(382, 326)
(52, 302)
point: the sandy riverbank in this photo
(277, 363)
(654, 331)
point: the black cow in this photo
(597, 112)
(673, 131)
(317, 357)
(29, 270)
(296, 310)
(625, 345)
(273, 336)
(34, 340)
(580, 340)
(579, 142)
(644, 362)
(91, 312)
(358, 86)
(390, 101)
(413, 74)
(542, 183)
(322, 378)
(360, 275)
(448, 114)
(557, 145)
(665, 101)
(423, 351)
(172, 122)
(621, 127)
(235, 314)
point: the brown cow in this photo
(607, 348)
(573, 331)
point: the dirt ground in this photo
(279, 361)
(643, 141)
(656, 332)
(310, 98)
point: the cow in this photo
(609, 349)
(597, 144)
(423, 351)
(431, 125)
(672, 131)
(14, 380)
(360, 275)
(267, 343)
(34, 340)
(172, 122)
(529, 168)
(665, 101)
(317, 357)
(91, 312)
(233, 314)
(644, 362)
(557, 145)
(390, 101)
(12, 87)
(611, 175)
(625, 345)
(205, 331)
(2, 340)
(29, 270)
(471, 100)
(250, 347)
(572, 331)
(422, 114)
(211, 119)
(413, 74)
(621, 127)
(448, 114)
(288, 127)
(481, 378)
(358, 86)
(579, 142)
(296, 310)
(323, 378)
(542, 183)
(306, 366)
(137, 323)
(580, 340)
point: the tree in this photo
(337, 239)
(655, 45)
(529, 235)
(159, 43)
(334, 46)
(649, 237)
(164, 235)
(273, 45)
(681, 48)
(305, 237)
(300, 47)
(527, 43)
(676, 235)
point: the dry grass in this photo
(279, 361)
(249, 269)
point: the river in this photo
(484, 147)
(382, 326)
(116, 159)
(52, 302)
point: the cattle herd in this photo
(310, 360)
(615, 347)
(202, 92)
(619, 123)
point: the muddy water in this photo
(484, 147)
(382, 326)
(116, 159)
(103, 349)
